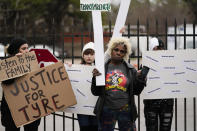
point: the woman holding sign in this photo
(88, 122)
(158, 112)
(16, 47)
(116, 98)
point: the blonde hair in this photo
(119, 40)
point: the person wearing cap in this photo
(88, 122)
(122, 81)
(158, 112)
(17, 47)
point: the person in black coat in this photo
(17, 47)
(116, 98)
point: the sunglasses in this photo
(121, 51)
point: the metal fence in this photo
(174, 36)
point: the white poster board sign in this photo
(99, 49)
(121, 18)
(81, 77)
(120, 21)
(98, 31)
(173, 74)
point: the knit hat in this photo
(89, 45)
(153, 43)
(14, 46)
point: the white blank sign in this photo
(173, 74)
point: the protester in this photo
(17, 47)
(116, 98)
(88, 122)
(158, 112)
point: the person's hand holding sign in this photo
(95, 72)
(19, 54)
(122, 30)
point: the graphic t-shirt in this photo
(116, 86)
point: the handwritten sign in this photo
(17, 66)
(39, 93)
(92, 5)
(81, 78)
(173, 74)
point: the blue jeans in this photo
(87, 120)
(109, 118)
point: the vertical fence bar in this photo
(147, 30)
(73, 120)
(166, 33)
(33, 36)
(185, 114)
(44, 45)
(91, 32)
(156, 23)
(63, 121)
(54, 122)
(129, 31)
(6, 26)
(175, 33)
(184, 34)
(24, 28)
(82, 42)
(175, 40)
(185, 101)
(62, 56)
(62, 33)
(138, 63)
(194, 104)
(52, 41)
(53, 36)
(194, 99)
(110, 29)
(138, 45)
(194, 36)
(15, 28)
(175, 114)
(185, 104)
(45, 123)
(128, 35)
(73, 48)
